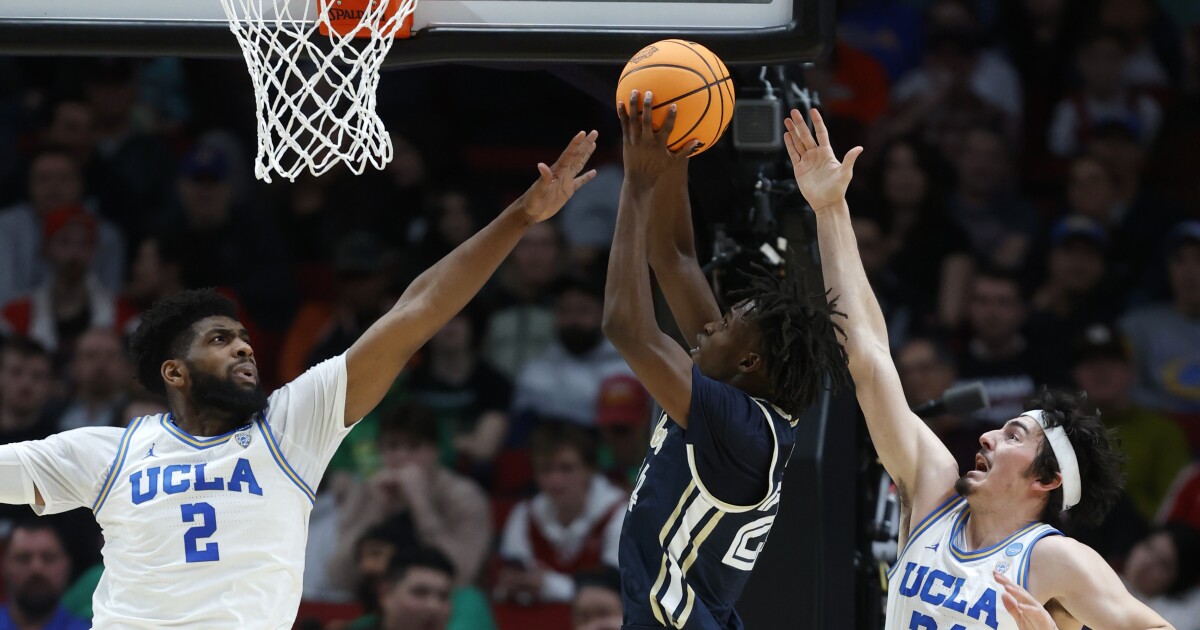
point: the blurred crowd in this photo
(1028, 211)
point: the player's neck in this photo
(988, 525)
(206, 422)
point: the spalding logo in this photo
(646, 53)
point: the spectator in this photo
(1138, 218)
(1040, 36)
(417, 591)
(572, 524)
(133, 172)
(72, 299)
(1162, 572)
(623, 417)
(986, 205)
(927, 370)
(155, 272)
(853, 87)
(322, 329)
(226, 246)
(996, 352)
(449, 220)
(521, 324)
(1155, 448)
(101, 375)
(597, 604)
(36, 570)
(54, 183)
(1073, 295)
(1166, 337)
(1152, 48)
(895, 300)
(929, 252)
(961, 84)
(590, 216)
(25, 383)
(471, 399)
(1103, 96)
(563, 381)
(139, 403)
(73, 128)
(433, 505)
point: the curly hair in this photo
(799, 342)
(1100, 462)
(165, 331)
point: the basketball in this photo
(692, 78)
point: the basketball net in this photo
(316, 94)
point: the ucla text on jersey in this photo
(937, 585)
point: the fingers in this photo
(851, 157)
(801, 132)
(688, 148)
(647, 113)
(819, 126)
(669, 123)
(585, 178)
(793, 153)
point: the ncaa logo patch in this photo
(1013, 549)
(242, 438)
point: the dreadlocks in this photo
(799, 344)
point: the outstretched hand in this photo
(645, 149)
(822, 179)
(557, 182)
(1027, 611)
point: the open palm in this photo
(821, 177)
(557, 182)
(1027, 611)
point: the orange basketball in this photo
(689, 76)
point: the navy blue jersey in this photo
(699, 515)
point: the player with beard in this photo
(205, 509)
(980, 549)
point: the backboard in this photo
(485, 31)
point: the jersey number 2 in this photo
(207, 526)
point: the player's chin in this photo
(968, 483)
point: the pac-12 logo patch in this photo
(242, 438)
(1013, 549)
(1003, 566)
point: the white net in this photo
(315, 93)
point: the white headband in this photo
(1068, 464)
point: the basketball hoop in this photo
(316, 95)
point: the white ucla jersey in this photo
(200, 532)
(935, 585)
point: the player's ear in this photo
(173, 372)
(1047, 487)
(750, 362)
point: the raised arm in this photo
(659, 363)
(671, 250)
(914, 457)
(374, 361)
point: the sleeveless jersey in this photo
(935, 585)
(684, 554)
(200, 532)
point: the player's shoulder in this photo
(1064, 557)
